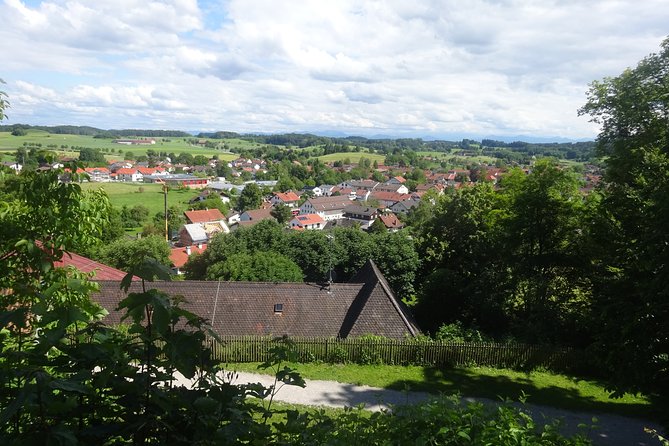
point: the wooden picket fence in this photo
(401, 352)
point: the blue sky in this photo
(448, 68)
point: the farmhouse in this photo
(365, 305)
(328, 208)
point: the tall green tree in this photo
(457, 245)
(127, 254)
(250, 198)
(541, 245)
(632, 287)
(281, 213)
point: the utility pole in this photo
(165, 188)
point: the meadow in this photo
(353, 156)
(146, 194)
(9, 144)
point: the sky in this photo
(433, 69)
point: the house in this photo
(253, 216)
(178, 180)
(388, 198)
(313, 191)
(392, 187)
(365, 305)
(391, 222)
(289, 199)
(403, 207)
(180, 255)
(364, 215)
(128, 174)
(329, 208)
(135, 142)
(396, 180)
(204, 216)
(307, 221)
(13, 165)
(362, 194)
(326, 190)
(192, 234)
(98, 174)
(369, 185)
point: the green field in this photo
(151, 195)
(9, 144)
(353, 156)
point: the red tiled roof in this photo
(307, 219)
(179, 256)
(86, 265)
(389, 196)
(391, 221)
(126, 171)
(96, 169)
(204, 216)
(287, 197)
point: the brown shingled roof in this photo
(308, 310)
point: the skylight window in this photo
(278, 308)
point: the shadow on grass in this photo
(469, 384)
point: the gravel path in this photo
(613, 430)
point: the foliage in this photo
(87, 154)
(456, 332)
(250, 198)
(440, 421)
(630, 238)
(134, 216)
(281, 213)
(256, 267)
(542, 245)
(126, 254)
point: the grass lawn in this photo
(542, 388)
(152, 196)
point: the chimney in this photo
(188, 250)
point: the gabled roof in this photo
(253, 216)
(356, 209)
(365, 305)
(126, 171)
(287, 197)
(389, 196)
(196, 233)
(391, 221)
(86, 265)
(329, 203)
(204, 216)
(179, 256)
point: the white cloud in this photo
(437, 67)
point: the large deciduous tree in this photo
(542, 247)
(632, 293)
(250, 197)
